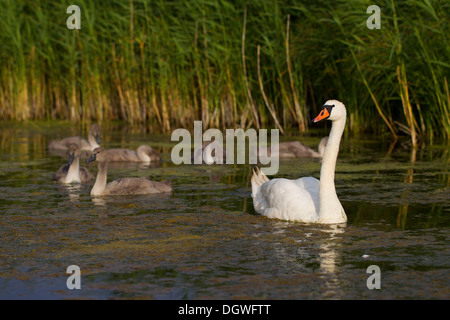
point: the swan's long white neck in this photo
(92, 141)
(330, 208)
(73, 174)
(100, 181)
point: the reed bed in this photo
(229, 63)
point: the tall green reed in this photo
(227, 63)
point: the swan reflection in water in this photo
(329, 256)
(315, 250)
(73, 191)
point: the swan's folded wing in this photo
(122, 155)
(61, 174)
(85, 175)
(289, 200)
(308, 183)
(126, 186)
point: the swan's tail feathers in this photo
(258, 179)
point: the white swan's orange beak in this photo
(324, 114)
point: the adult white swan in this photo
(306, 199)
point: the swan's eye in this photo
(328, 108)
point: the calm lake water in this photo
(204, 241)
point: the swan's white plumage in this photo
(286, 199)
(306, 199)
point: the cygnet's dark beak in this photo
(91, 158)
(71, 157)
